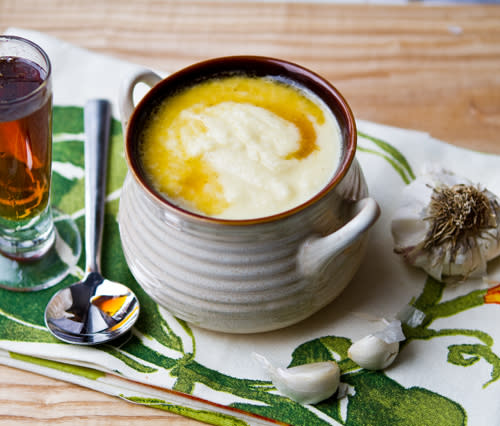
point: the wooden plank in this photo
(429, 68)
(27, 398)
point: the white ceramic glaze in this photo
(243, 276)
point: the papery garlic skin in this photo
(410, 230)
(393, 332)
(305, 384)
(373, 353)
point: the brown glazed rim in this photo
(253, 65)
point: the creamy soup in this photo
(240, 147)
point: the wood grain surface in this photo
(435, 69)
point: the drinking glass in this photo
(33, 246)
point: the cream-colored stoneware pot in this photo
(243, 276)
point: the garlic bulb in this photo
(306, 384)
(447, 226)
(377, 351)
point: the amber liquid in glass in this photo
(25, 142)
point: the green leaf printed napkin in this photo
(448, 370)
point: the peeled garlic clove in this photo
(306, 384)
(447, 226)
(377, 351)
(373, 353)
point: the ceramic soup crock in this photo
(243, 276)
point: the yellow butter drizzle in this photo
(192, 180)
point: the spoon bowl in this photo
(94, 310)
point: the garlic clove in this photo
(305, 384)
(377, 351)
(373, 353)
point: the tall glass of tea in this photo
(29, 258)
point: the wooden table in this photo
(435, 69)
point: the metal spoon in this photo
(94, 310)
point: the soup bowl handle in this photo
(126, 100)
(315, 253)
